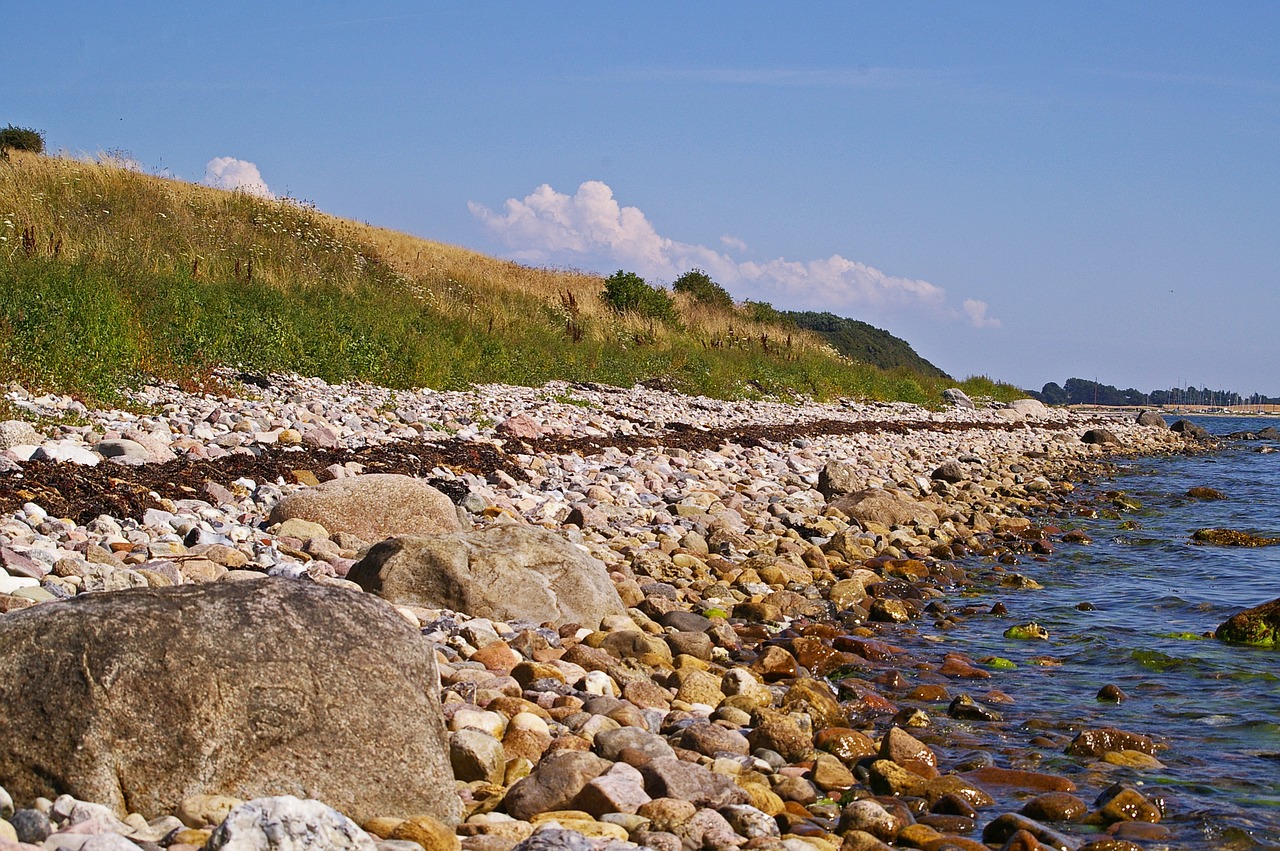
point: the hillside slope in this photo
(108, 276)
(865, 343)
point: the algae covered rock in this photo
(1259, 625)
(1232, 538)
(1027, 631)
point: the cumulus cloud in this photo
(976, 312)
(590, 226)
(236, 175)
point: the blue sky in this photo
(1027, 191)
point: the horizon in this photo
(1029, 194)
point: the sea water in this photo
(1154, 596)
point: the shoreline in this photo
(722, 511)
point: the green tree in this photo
(21, 139)
(627, 292)
(698, 285)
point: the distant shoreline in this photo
(1183, 410)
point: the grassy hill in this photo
(859, 341)
(109, 277)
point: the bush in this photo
(627, 292)
(698, 284)
(21, 139)
(764, 313)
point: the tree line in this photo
(1080, 391)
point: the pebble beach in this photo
(687, 623)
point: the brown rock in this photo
(554, 783)
(711, 739)
(668, 777)
(1055, 806)
(829, 773)
(1031, 781)
(847, 745)
(1122, 803)
(780, 733)
(906, 750)
(432, 834)
(887, 508)
(1096, 742)
(773, 664)
(816, 700)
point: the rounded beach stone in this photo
(373, 506)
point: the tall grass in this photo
(108, 276)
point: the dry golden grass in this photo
(148, 275)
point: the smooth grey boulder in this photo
(503, 572)
(957, 397)
(1033, 408)
(372, 507)
(1151, 418)
(140, 699)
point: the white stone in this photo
(65, 451)
(287, 823)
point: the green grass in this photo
(109, 278)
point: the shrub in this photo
(764, 313)
(21, 139)
(627, 292)
(698, 284)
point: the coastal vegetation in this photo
(109, 277)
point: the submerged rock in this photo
(1259, 625)
(1190, 430)
(1232, 538)
(1205, 493)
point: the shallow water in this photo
(1215, 707)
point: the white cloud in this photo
(976, 311)
(236, 175)
(590, 226)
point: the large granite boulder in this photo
(1259, 625)
(139, 699)
(372, 507)
(888, 508)
(957, 397)
(506, 572)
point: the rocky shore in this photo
(571, 617)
